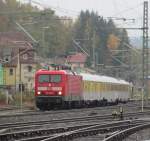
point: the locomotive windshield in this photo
(49, 78)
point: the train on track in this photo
(65, 89)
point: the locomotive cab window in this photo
(55, 78)
(49, 78)
(43, 78)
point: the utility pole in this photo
(145, 51)
(93, 47)
(30, 2)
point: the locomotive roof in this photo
(86, 76)
(44, 71)
(102, 78)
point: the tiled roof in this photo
(11, 43)
(77, 58)
(15, 36)
(14, 39)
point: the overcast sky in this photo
(129, 9)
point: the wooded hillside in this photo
(98, 37)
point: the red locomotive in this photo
(66, 88)
(57, 88)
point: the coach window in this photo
(87, 86)
(100, 87)
(115, 87)
(93, 86)
(97, 87)
(84, 85)
(90, 86)
(104, 86)
(110, 87)
(120, 88)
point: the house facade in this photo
(26, 68)
(77, 61)
(17, 58)
(1, 75)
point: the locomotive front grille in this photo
(49, 99)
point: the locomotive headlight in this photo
(38, 93)
(59, 93)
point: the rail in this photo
(127, 132)
(90, 131)
(42, 133)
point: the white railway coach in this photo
(98, 88)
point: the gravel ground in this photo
(129, 107)
(92, 138)
(143, 135)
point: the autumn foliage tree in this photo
(108, 37)
(113, 42)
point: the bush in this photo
(27, 99)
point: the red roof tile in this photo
(16, 39)
(12, 43)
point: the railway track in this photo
(26, 111)
(32, 129)
(26, 129)
(94, 118)
(116, 132)
(36, 115)
(69, 132)
(127, 132)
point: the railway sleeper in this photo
(84, 133)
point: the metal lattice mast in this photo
(145, 48)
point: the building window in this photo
(29, 68)
(29, 79)
(7, 58)
(11, 71)
(25, 56)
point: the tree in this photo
(113, 42)
(55, 39)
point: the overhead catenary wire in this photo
(124, 13)
(128, 9)
(77, 44)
